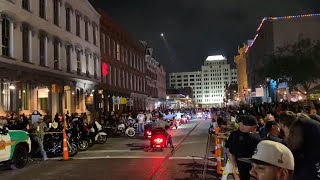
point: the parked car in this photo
(15, 145)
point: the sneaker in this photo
(45, 159)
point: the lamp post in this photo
(268, 88)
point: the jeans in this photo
(141, 128)
(169, 139)
(40, 144)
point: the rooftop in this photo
(216, 58)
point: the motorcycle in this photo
(158, 139)
(132, 128)
(53, 145)
(82, 143)
(97, 134)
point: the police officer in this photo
(39, 128)
(242, 144)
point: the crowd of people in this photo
(278, 140)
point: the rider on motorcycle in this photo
(161, 123)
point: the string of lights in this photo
(274, 19)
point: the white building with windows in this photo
(50, 56)
(209, 84)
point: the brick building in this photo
(123, 81)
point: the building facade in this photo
(209, 84)
(155, 80)
(50, 56)
(273, 33)
(123, 82)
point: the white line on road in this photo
(113, 157)
(105, 151)
(185, 158)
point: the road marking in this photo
(106, 151)
(113, 157)
(186, 158)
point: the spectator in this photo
(141, 121)
(241, 144)
(300, 134)
(271, 161)
(262, 128)
(273, 131)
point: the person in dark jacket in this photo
(273, 131)
(242, 144)
(301, 134)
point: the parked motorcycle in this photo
(97, 134)
(53, 145)
(82, 143)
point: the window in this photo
(42, 8)
(25, 43)
(108, 45)
(5, 37)
(79, 70)
(95, 67)
(103, 44)
(78, 25)
(56, 52)
(94, 35)
(68, 58)
(118, 52)
(86, 28)
(42, 43)
(68, 19)
(87, 64)
(26, 5)
(56, 12)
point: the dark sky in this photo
(195, 29)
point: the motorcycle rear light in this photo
(158, 140)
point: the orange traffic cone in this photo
(65, 146)
(219, 164)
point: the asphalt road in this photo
(128, 158)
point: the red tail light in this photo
(148, 132)
(158, 140)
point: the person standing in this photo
(271, 161)
(39, 129)
(242, 144)
(141, 120)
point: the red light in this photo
(149, 132)
(158, 140)
(105, 68)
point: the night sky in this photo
(195, 29)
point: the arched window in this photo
(25, 43)
(42, 43)
(56, 54)
(79, 69)
(26, 4)
(5, 37)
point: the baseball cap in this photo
(248, 120)
(272, 153)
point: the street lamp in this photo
(162, 35)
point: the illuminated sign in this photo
(105, 69)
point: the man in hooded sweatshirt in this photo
(301, 134)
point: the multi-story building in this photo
(155, 80)
(209, 84)
(275, 32)
(49, 57)
(123, 68)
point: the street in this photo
(125, 158)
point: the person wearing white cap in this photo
(271, 161)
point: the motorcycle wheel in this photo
(83, 145)
(73, 150)
(131, 132)
(102, 139)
